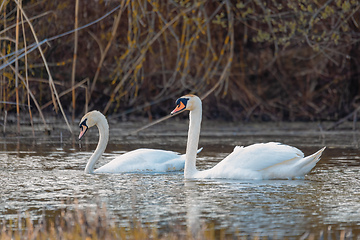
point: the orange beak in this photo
(178, 108)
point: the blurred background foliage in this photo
(268, 59)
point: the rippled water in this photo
(42, 176)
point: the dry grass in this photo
(253, 60)
(97, 224)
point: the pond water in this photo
(43, 175)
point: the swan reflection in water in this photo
(248, 206)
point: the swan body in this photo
(139, 160)
(144, 160)
(258, 161)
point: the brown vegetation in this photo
(97, 224)
(253, 60)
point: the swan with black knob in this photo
(258, 161)
(139, 160)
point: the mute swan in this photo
(258, 161)
(135, 161)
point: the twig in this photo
(13, 59)
(27, 77)
(87, 97)
(33, 98)
(273, 35)
(33, 18)
(35, 45)
(2, 5)
(226, 70)
(317, 13)
(17, 67)
(103, 53)
(151, 124)
(143, 53)
(222, 77)
(76, 41)
(342, 120)
(79, 84)
(148, 104)
(51, 83)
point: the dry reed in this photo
(252, 60)
(97, 224)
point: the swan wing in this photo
(256, 161)
(296, 168)
(261, 156)
(264, 161)
(143, 159)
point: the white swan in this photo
(135, 161)
(258, 161)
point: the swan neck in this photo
(193, 142)
(103, 127)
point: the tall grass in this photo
(249, 60)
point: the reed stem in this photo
(73, 72)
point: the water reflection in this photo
(193, 208)
(47, 176)
(252, 206)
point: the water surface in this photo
(43, 175)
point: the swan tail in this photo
(292, 168)
(309, 162)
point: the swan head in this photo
(187, 102)
(89, 120)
